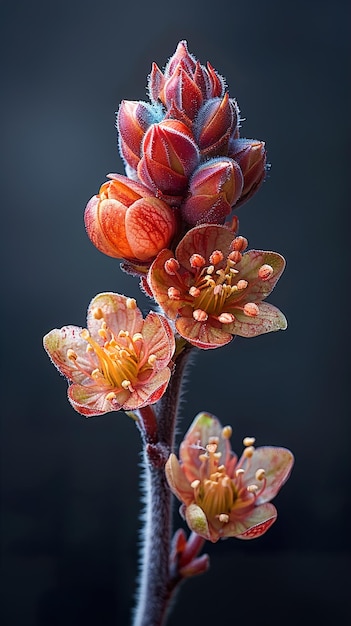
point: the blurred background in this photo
(70, 497)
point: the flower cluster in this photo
(185, 163)
(224, 496)
(170, 220)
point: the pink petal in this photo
(277, 464)
(204, 240)
(248, 269)
(202, 334)
(159, 282)
(117, 315)
(159, 339)
(91, 400)
(257, 522)
(177, 480)
(148, 393)
(56, 344)
(269, 319)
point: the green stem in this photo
(156, 587)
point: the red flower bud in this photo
(126, 221)
(133, 119)
(251, 156)
(214, 124)
(213, 188)
(181, 91)
(169, 156)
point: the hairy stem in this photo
(155, 585)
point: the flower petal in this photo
(91, 400)
(277, 464)
(159, 339)
(253, 525)
(58, 341)
(248, 269)
(148, 393)
(117, 314)
(268, 320)
(202, 334)
(204, 239)
(177, 480)
(159, 282)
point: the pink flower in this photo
(213, 291)
(120, 361)
(221, 495)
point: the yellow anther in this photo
(224, 518)
(248, 452)
(96, 373)
(111, 396)
(137, 337)
(131, 303)
(195, 484)
(211, 447)
(227, 432)
(252, 488)
(249, 441)
(123, 333)
(210, 269)
(72, 355)
(102, 333)
(97, 313)
(85, 334)
(242, 284)
(239, 472)
(199, 315)
(152, 359)
(260, 474)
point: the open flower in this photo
(223, 496)
(213, 291)
(120, 361)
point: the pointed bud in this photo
(169, 157)
(157, 79)
(126, 221)
(214, 124)
(250, 154)
(213, 188)
(133, 119)
(181, 91)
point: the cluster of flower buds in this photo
(184, 158)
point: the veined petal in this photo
(249, 267)
(159, 282)
(149, 392)
(203, 240)
(159, 339)
(277, 464)
(257, 522)
(116, 312)
(202, 334)
(57, 343)
(91, 400)
(268, 319)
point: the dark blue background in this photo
(70, 486)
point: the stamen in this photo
(239, 472)
(197, 261)
(199, 315)
(96, 374)
(216, 257)
(251, 309)
(260, 474)
(210, 270)
(173, 293)
(111, 396)
(235, 256)
(194, 291)
(265, 272)
(242, 284)
(97, 313)
(249, 441)
(227, 432)
(126, 384)
(252, 488)
(171, 266)
(239, 243)
(152, 359)
(248, 452)
(226, 318)
(131, 303)
(195, 484)
(218, 290)
(102, 333)
(72, 355)
(224, 518)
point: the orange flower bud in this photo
(214, 124)
(169, 157)
(214, 187)
(250, 154)
(125, 220)
(133, 119)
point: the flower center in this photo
(122, 359)
(215, 492)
